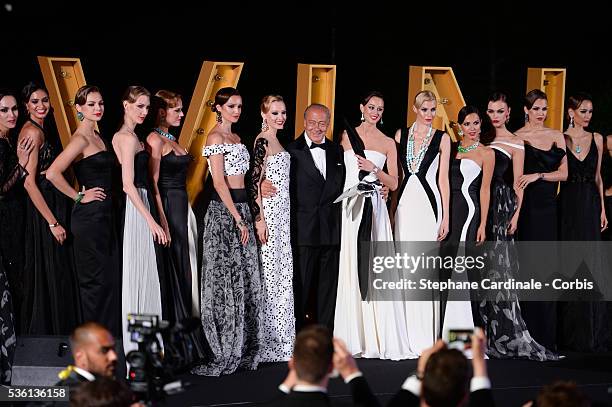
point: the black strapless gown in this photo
(172, 188)
(95, 244)
(51, 300)
(584, 326)
(538, 222)
(465, 182)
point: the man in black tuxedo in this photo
(315, 355)
(316, 180)
(93, 350)
(442, 378)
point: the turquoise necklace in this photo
(164, 133)
(464, 150)
(414, 161)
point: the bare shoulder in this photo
(29, 131)
(555, 134)
(521, 133)
(398, 135)
(598, 139)
(154, 140)
(79, 140)
(214, 137)
(388, 142)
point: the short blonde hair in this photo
(424, 96)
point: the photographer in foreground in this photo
(442, 378)
(316, 354)
(93, 350)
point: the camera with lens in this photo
(151, 366)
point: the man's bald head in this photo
(93, 349)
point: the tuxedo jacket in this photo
(315, 219)
(478, 398)
(360, 391)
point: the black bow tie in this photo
(322, 146)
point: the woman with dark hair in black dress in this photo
(12, 173)
(585, 325)
(92, 222)
(545, 165)
(471, 171)
(506, 332)
(168, 170)
(51, 301)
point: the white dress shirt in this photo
(85, 374)
(318, 155)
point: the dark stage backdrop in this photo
(162, 45)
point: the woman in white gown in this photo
(371, 329)
(423, 205)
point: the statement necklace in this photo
(464, 150)
(414, 161)
(164, 133)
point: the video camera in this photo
(152, 367)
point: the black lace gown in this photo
(51, 301)
(95, 244)
(507, 334)
(188, 347)
(538, 222)
(584, 326)
(11, 175)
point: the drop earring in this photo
(362, 118)
(526, 117)
(264, 125)
(572, 121)
(381, 121)
(219, 118)
(80, 116)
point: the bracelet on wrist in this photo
(375, 170)
(53, 225)
(241, 222)
(79, 197)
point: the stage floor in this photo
(514, 381)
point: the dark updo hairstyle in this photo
(162, 100)
(6, 92)
(81, 96)
(222, 96)
(499, 97)
(131, 94)
(374, 93)
(574, 101)
(465, 111)
(532, 96)
(30, 88)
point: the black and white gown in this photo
(507, 334)
(465, 182)
(371, 328)
(417, 218)
(231, 280)
(278, 316)
(141, 288)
